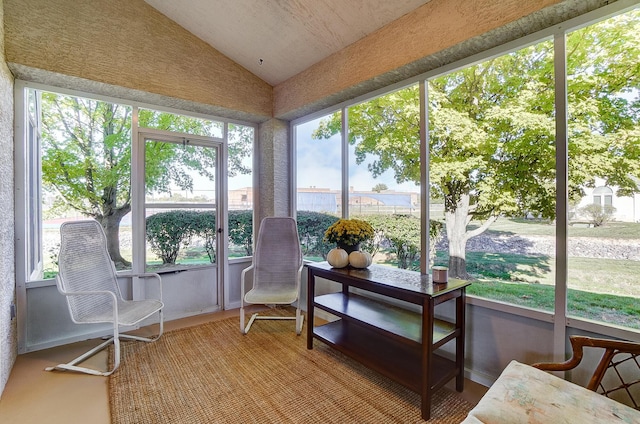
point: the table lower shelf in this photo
(396, 322)
(397, 361)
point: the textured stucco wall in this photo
(437, 33)
(274, 170)
(127, 43)
(8, 341)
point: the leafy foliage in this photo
(171, 231)
(380, 187)
(204, 226)
(168, 232)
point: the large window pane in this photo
(384, 172)
(86, 171)
(319, 182)
(240, 139)
(604, 171)
(180, 200)
(492, 175)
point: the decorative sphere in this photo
(338, 258)
(360, 259)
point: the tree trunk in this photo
(456, 221)
(457, 218)
(111, 225)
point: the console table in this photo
(388, 338)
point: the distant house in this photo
(627, 208)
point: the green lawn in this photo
(606, 290)
(612, 309)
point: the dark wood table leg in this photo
(427, 350)
(311, 291)
(460, 323)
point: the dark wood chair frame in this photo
(630, 352)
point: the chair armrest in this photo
(611, 348)
(64, 292)
(90, 293)
(111, 295)
(242, 278)
(299, 279)
(577, 345)
(150, 275)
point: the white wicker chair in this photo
(87, 278)
(276, 270)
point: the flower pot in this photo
(349, 247)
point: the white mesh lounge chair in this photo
(87, 278)
(277, 266)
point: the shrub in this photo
(311, 228)
(402, 234)
(598, 215)
(241, 229)
(168, 232)
(204, 225)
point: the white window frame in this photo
(145, 134)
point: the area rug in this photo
(211, 373)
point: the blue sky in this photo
(319, 163)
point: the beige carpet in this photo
(213, 374)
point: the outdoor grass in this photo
(599, 275)
(611, 309)
(605, 290)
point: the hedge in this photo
(169, 232)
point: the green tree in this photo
(380, 187)
(492, 130)
(86, 151)
(86, 158)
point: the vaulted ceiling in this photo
(276, 39)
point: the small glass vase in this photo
(349, 247)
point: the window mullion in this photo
(345, 162)
(562, 199)
(424, 176)
(137, 196)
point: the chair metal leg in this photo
(242, 329)
(253, 318)
(298, 318)
(71, 366)
(299, 321)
